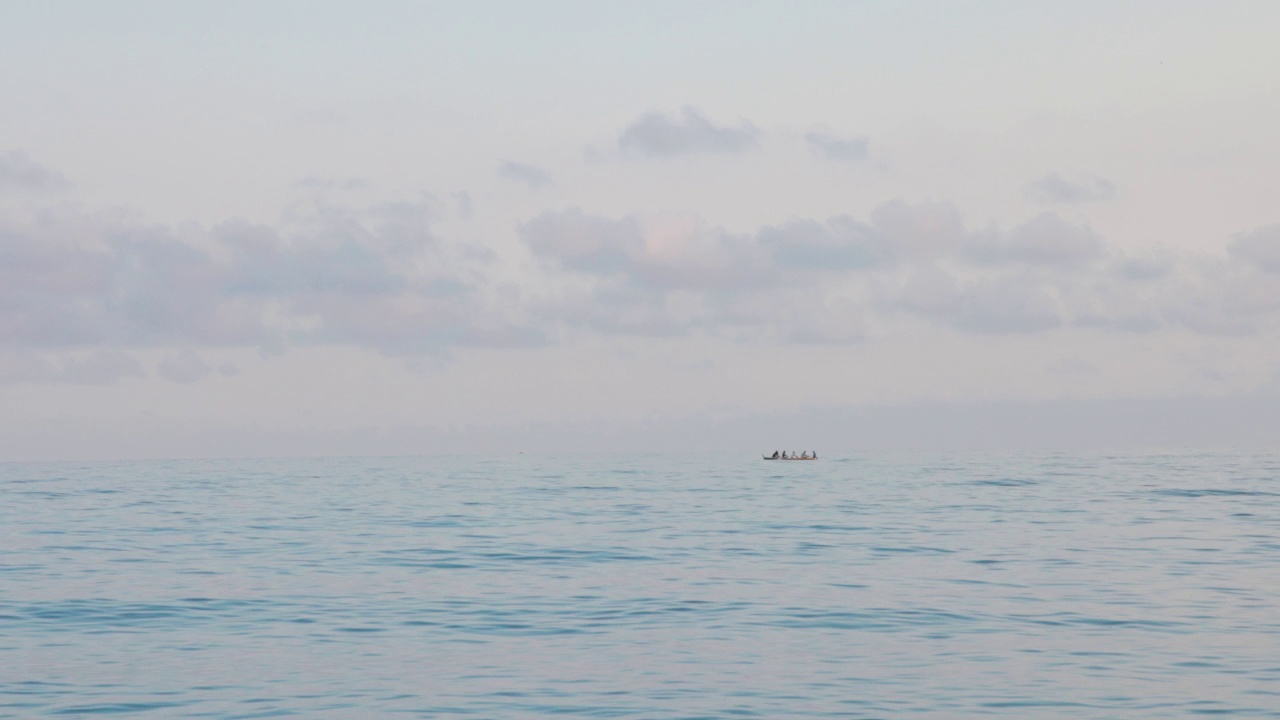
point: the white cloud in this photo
(383, 277)
(919, 232)
(656, 135)
(376, 277)
(850, 149)
(1053, 188)
(1046, 240)
(841, 243)
(676, 275)
(98, 367)
(185, 367)
(1005, 304)
(531, 175)
(19, 172)
(465, 206)
(1259, 247)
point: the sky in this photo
(322, 228)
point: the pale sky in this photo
(395, 227)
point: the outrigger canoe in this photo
(769, 457)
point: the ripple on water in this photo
(1121, 586)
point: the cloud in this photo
(672, 275)
(383, 278)
(835, 148)
(98, 367)
(583, 242)
(663, 275)
(376, 277)
(999, 305)
(841, 243)
(654, 252)
(1229, 299)
(465, 207)
(1209, 320)
(1045, 240)
(681, 251)
(20, 172)
(920, 232)
(101, 367)
(185, 367)
(1053, 188)
(1148, 267)
(656, 135)
(531, 175)
(1259, 247)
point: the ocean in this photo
(644, 586)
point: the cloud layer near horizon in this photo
(376, 277)
(382, 277)
(828, 280)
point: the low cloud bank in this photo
(377, 277)
(830, 280)
(382, 277)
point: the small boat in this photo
(770, 457)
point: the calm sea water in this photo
(956, 586)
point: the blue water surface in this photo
(904, 586)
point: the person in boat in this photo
(775, 454)
(804, 455)
(784, 454)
